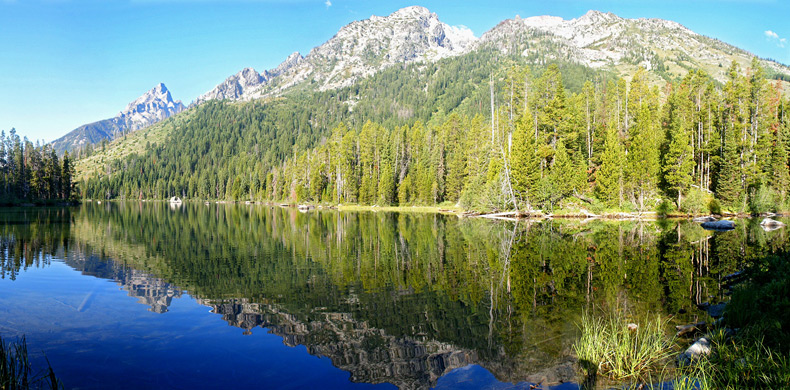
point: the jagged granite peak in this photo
(153, 106)
(600, 40)
(293, 60)
(234, 87)
(364, 47)
(360, 49)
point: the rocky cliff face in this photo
(152, 107)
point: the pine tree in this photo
(609, 177)
(525, 169)
(679, 159)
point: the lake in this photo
(145, 295)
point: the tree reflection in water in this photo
(393, 297)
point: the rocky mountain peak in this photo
(235, 86)
(151, 107)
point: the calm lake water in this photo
(141, 295)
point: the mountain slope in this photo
(598, 40)
(360, 49)
(665, 48)
(152, 107)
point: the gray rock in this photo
(718, 225)
(716, 311)
(769, 224)
(700, 348)
(704, 219)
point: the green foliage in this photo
(479, 130)
(608, 347)
(714, 206)
(696, 202)
(16, 372)
(33, 173)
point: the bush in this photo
(695, 202)
(761, 200)
(666, 207)
(714, 206)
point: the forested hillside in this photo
(487, 132)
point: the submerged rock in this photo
(718, 225)
(716, 311)
(690, 329)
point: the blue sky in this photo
(64, 63)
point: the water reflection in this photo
(397, 298)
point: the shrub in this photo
(714, 206)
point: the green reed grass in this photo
(608, 348)
(16, 373)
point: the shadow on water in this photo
(416, 300)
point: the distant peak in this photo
(414, 10)
(594, 15)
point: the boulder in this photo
(771, 223)
(718, 225)
(716, 311)
(704, 219)
(690, 329)
(700, 348)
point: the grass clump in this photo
(757, 356)
(741, 362)
(16, 372)
(609, 347)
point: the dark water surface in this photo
(141, 295)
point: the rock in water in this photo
(699, 348)
(716, 311)
(771, 222)
(704, 219)
(718, 225)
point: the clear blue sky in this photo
(64, 63)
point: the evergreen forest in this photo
(33, 173)
(483, 133)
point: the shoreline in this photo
(454, 210)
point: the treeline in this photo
(212, 145)
(485, 136)
(614, 145)
(33, 173)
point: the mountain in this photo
(152, 107)
(665, 48)
(360, 49)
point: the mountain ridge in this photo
(151, 107)
(667, 49)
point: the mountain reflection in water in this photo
(395, 298)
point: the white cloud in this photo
(774, 37)
(328, 3)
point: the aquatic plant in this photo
(611, 347)
(16, 373)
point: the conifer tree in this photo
(609, 177)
